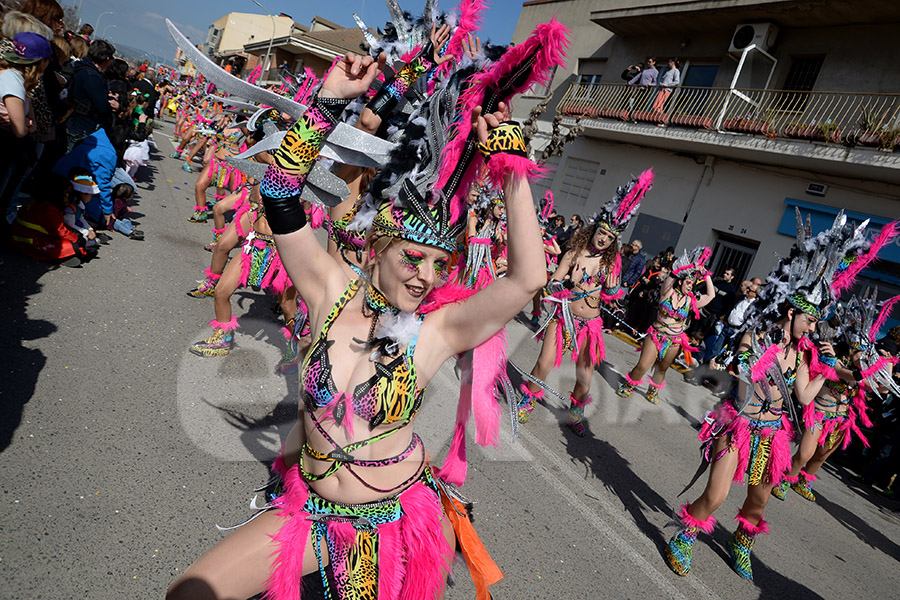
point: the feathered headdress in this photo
(692, 264)
(545, 208)
(858, 323)
(615, 214)
(805, 277)
(418, 195)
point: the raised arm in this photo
(710, 293)
(310, 267)
(469, 323)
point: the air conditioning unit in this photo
(761, 34)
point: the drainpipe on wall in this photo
(707, 166)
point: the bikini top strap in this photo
(348, 295)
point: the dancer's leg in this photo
(635, 377)
(239, 565)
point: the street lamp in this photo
(271, 39)
(109, 12)
(105, 29)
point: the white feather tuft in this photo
(402, 328)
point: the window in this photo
(577, 181)
(803, 74)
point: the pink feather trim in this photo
(500, 165)
(758, 370)
(816, 366)
(344, 400)
(591, 333)
(448, 293)
(807, 476)
(538, 394)
(287, 333)
(883, 315)
(658, 386)
(633, 199)
(488, 368)
(455, 465)
(881, 362)
(706, 526)
(631, 381)
(747, 526)
(575, 401)
(316, 215)
(214, 276)
(423, 541)
(291, 539)
(469, 23)
(845, 280)
(229, 326)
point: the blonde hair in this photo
(31, 73)
(16, 22)
(79, 47)
(61, 49)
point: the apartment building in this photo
(781, 104)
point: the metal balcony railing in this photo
(871, 120)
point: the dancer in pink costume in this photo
(750, 432)
(363, 514)
(667, 337)
(587, 278)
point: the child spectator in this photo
(81, 188)
(20, 72)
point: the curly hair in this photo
(582, 240)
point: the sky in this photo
(142, 24)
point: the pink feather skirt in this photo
(390, 549)
(763, 447)
(589, 331)
(261, 266)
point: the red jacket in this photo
(39, 232)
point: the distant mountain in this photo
(133, 54)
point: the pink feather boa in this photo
(469, 23)
(769, 357)
(738, 427)
(845, 280)
(883, 314)
(547, 44)
(816, 366)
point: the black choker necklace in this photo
(594, 252)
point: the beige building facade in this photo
(809, 117)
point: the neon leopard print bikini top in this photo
(666, 309)
(390, 395)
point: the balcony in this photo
(840, 127)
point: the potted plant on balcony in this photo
(867, 133)
(748, 125)
(890, 138)
(828, 132)
(803, 131)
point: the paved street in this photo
(120, 451)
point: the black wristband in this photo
(857, 374)
(285, 215)
(331, 108)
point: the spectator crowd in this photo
(74, 125)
